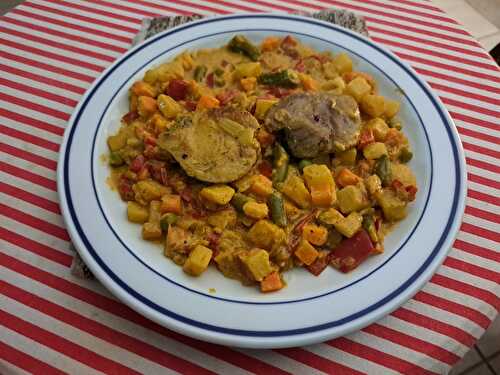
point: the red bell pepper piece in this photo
(177, 89)
(137, 164)
(319, 265)
(352, 251)
(129, 117)
(365, 138)
(266, 168)
(210, 80)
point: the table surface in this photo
(50, 321)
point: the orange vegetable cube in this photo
(265, 138)
(141, 88)
(306, 252)
(271, 283)
(270, 43)
(146, 106)
(346, 177)
(315, 234)
(261, 186)
(249, 83)
(207, 101)
(309, 83)
(171, 203)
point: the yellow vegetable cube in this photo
(168, 106)
(266, 235)
(255, 210)
(295, 189)
(320, 181)
(379, 128)
(315, 234)
(151, 76)
(350, 225)
(261, 186)
(220, 194)
(291, 210)
(358, 88)
(146, 106)
(391, 108)
(347, 157)
(335, 86)
(137, 213)
(151, 231)
(222, 219)
(373, 105)
(117, 141)
(250, 69)
(256, 263)
(249, 83)
(306, 253)
(373, 184)
(197, 261)
(393, 208)
(159, 122)
(331, 216)
(374, 150)
(262, 106)
(403, 174)
(342, 63)
(351, 199)
(148, 190)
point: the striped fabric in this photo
(51, 322)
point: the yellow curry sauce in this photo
(258, 159)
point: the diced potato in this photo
(151, 231)
(220, 194)
(148, 190)
(159, 122)
(373, 105)
(320, 181)
(350, 225)
(346, 177)
(271, 283)
(249, 83)
(315, 234)
(207, 101)
(393, 208)
(330, 70)
(255, 210)
(146, 106)
(347, 157)
(168, 71)
(244, 183)
(331, 217)
(256, 263)
(261, 186)
(306, 252)
(154, 212)
(222, 219)
(151, 76)
(137, 213)
(262, 106)
(291, 210)
(379, 128)
(168, 106)
(117, 141)
(266, 235)
(373, 184)
(391, 108)
(295, 189)
(374, 150)
(171, 203)
(197, 261)
(351, 199)
(358, 88)
(403, 174)
(249, 69)
(342, 63)
(141, 88)
(334, 86)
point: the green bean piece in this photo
(167, 220)
(283, 78)
(278, 213)
(115, 159)
(240, 44)
(369, 225)
(281, 161)
(199, 73)
(405, 155)
(239, 200)
(383, 170)
(304, 163)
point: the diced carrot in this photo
(261, 186)
(171, 203)
(346, 177)
(306, 253)
(271, 283)
(207, 101)
(270, 43)
(248, 83)
(309, 83)
(141, 88)
(315, 234)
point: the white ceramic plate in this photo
(310, 309)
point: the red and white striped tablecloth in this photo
(52, 322)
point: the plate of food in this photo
(261, 180)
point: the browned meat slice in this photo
(214, 146)
(316, 124)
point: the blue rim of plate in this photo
(249, 333)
